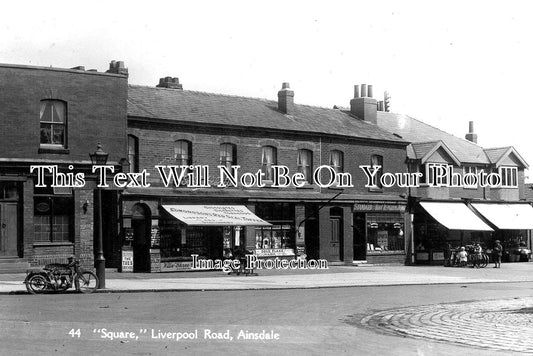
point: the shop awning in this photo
(215, 215)
(455, 216)
(507, 216)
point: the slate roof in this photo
(206, 108)
(413, 130)
(422, 148)
(494, 154)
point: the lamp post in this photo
(99, 157)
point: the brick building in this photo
(55, 117)
(168, 125)
(469, 213)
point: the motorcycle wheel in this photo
(86, 282)
(37, 284)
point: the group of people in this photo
(462, 255)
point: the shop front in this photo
(439, 226)
(379, 233)
(208, 231)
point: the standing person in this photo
(476, 258)
(497, 254)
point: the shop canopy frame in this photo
(507, 216)
(455, 216)
(215, 215)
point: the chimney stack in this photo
(471, 136)
(364, 107)
(170, 83)
(117, 67)
(286, 99)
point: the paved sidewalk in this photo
(335, 276)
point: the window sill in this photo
(45, 244)
(54, 150)
(306, 186)
(375, 190)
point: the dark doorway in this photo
(359, 237)
(141, 224)
(337, 235)
(312, 242)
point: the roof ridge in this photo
(228, 96)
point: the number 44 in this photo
(73, 332)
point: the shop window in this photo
(385, 232)
(52, 219)
(377, 160)
(133, 153)
(53, 123)
(228, 155)
(305, 164)
(509, 176)
(282, 232)
(269, 158)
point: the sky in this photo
(443, 62)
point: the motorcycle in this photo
(56, 277)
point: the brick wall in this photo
(156, 146)
(96, 110)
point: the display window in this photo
(385, 232)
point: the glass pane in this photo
(58, 131)
(46, 133)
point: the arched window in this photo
(133, 153)
(269, 157)
(183, 152)
(305, 164)
(228, 154)
(53, 123)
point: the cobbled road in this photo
(495, 325)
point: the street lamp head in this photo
(99, 157)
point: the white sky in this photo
(445, 63)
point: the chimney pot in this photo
(356, 91)
(363, 90)
(117, 68)
(369, 91)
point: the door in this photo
(359, 237)
(336, 240)
(9, 229)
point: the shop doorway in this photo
(9, 229)
(359, 237)
(337, 241)
(141, 222)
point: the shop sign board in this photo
(170, 266)
(274, 252)
(127, 260)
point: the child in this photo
(463, 256)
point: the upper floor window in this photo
(377, 160)
(269, 157)
(305, 164)
(228, 154)
(468, 181)
(435, 174)
(53, 121)
(509, 176)
(183, 152)
(133, 153)
(336, 160)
